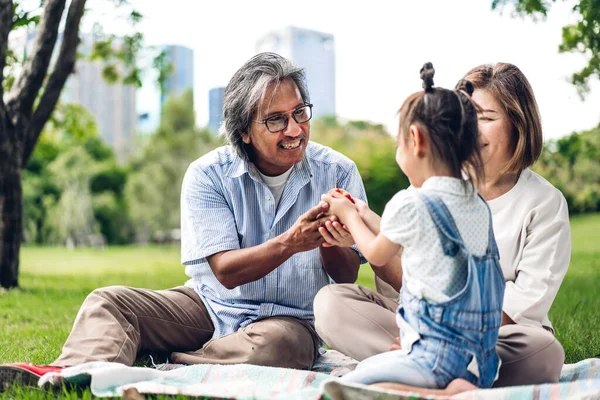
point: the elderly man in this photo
(252, 243)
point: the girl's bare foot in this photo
(454, 387)
(459, 385)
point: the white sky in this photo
(380, 47)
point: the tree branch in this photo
(62, 69)
(6, 14)
(27, 86)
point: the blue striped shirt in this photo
(225, 205)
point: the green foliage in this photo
(177, 115)
(72, 122)
(112, 214)
(98, 150)
(153, 188)
(525, 7)
(119, 55)
(582, 37)
(74, 188)
(164, 67)
(109, 177)
(71, 219)
(25, 18)
(68, 169)
(572, 164)
(372, 149)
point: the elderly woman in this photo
(531, 225)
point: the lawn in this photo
(36, 319)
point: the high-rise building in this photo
(182, 75)
(150, 98)
(112, 105)
(215, 108)
(315, 52)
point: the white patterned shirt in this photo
(225, 205)
(427, 272)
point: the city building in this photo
(182, 74)
(150, 99)
(113, 106)
(315, 52)
(215, 108)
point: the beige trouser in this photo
(116, 323)
(361, 323)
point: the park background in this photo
(96, 213)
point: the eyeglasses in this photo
(278, 122)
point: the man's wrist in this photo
(283, 246)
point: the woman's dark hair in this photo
(449, 119)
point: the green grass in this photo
(575, 313)
(35, 320)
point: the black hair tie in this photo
(427, 73)
(465, 86)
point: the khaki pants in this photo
(116, 323)
(361, 323)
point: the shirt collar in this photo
(445, 184)
(240, 166)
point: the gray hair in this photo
(246, 90)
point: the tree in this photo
(32, 96)
(22, 120)
(582, 37)
(153, 189)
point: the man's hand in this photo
(304, 235)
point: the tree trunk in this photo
(20, 124)
(11, 214)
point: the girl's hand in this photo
(339, 206)
(396, 346)
(336, 234)
(361, 207)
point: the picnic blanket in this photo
(243, 381)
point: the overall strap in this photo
(444, 222)
(492, 248)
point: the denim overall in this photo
(449, 340)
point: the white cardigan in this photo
(531, 225)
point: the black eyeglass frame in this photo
(287, 119)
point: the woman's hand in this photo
(336, 234)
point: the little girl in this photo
(452, 286)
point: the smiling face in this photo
(275, 153)
(497, 138)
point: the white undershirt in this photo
(276, 184)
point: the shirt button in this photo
(268, 198)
